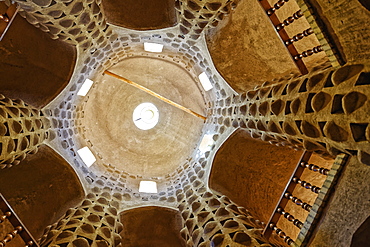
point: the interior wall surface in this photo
(33, 67)
(41, 189)
(151, 226)
(141, 14)
(259, 172)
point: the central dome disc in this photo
(145, 116)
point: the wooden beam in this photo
(7, 19)
(15, 221)
(154, 94)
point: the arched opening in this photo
(260, 172)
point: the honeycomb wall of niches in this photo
(210, 218)
(93, 223)
(83, 22)
(76, 22)
(62, 135)
(66, 110)
(325, 112)
(22, 130)
(127, 185)
(196, 15)
(224, 111)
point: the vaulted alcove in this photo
(141, 14)
(33, 67)
(151, 226)
(41, 189)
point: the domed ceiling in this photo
(109, 124)
(96, 36)
(103, 119)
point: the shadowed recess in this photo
(259, 172)
(151, 226)
(141, 14)
(33, 67)
(361, 238)
(365, 3)
(41, 189)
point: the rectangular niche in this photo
(204, 80)
(85, 87)
(148, 187)
(87, 156)
(153, 47)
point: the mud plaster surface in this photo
(33, 67)
(41, 189)
(111, 130)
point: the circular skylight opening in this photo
(145, 116)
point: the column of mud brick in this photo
(93, 223)
(77, 22)
(326, 111)
(196, 15)
(22, 130)
(211, 219)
